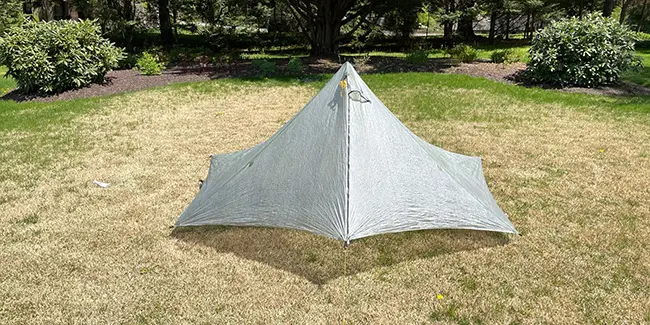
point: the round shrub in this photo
(506, 56)
(418, 57)
(294, 67)
(57, 55)
(149, 65)
(265, 68)
(586, 52)
(463, 53)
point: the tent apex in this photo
(347, 67)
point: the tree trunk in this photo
(608, 8)
(175, 20)
(527, 28)
(645, 3)
(507, 32)
(493, 25)
(532, 26)
(581, 8)
(321, 22)
(129, 10)
(166, 33)
(466, 22)
(448, 37)
(46, 9)
(325, 38)
(624, 7)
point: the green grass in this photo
(6, 83)
(642, 76)
(541, 160)
(503, 92)
(42, 120)
(43, 132)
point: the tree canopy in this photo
(323, 24)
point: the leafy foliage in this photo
(265, 68)
(506, 56)
(294, 67)
(589, 52)
(463, 53)
(361, 62)
(58, 55)
(149, 65)
(417, 57)
(11, 12)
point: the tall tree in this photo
(47, 12)
(466, 20)
(164, 18)
(401, 16)
(643, 9)
(494, 7)
(608, 7)
(625, 5)
(447, 16)
(321, 21)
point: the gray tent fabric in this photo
(345, 167)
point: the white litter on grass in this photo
(101, 184)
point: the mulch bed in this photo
(130, 80)
(116, 82)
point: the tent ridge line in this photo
(347, 176)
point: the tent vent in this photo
(357, 96)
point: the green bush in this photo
(149, 65)
(417, 57)
(294, 67)
(644, 36)
(463, 53)
(11, 12)
(506, 56)
(265, 68)
(581, 52)
(58, 55)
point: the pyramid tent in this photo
(345, 167)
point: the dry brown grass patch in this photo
(73, 252)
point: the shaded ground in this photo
(322, 261)
(116, 82)
(130, 80)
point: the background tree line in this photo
(323, 24)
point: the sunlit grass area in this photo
(6, 83)
(572, 171)
(642, 75)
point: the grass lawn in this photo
(6, 84)
(572, 171)
(642, 76)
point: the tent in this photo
(345, 167)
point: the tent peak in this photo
(347, 68)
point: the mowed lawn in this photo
(572, 171)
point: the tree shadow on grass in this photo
(320, 259)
